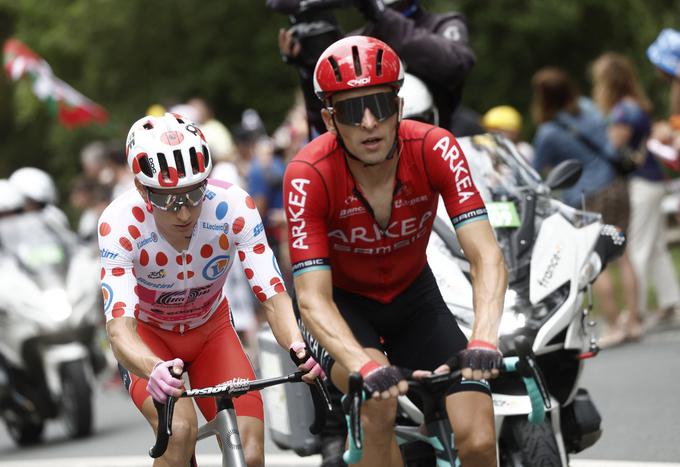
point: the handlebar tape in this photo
(537, 414)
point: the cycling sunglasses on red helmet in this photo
(173, 202)
(351, 111)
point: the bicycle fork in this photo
(439, 437)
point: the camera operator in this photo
(434, 46)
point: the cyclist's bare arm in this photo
(489, 278)
(279, 313)
(315, 297)
(128, 348)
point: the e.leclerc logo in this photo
(216, 267)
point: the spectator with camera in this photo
(433, 46)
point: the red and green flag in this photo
(72, 108)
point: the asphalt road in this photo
(635, 387)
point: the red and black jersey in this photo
(331, 225)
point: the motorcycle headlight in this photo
(523, 314)
(511, 321)
(59, 305)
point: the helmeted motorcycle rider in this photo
(11, 201)
(434, 47)
(40, 195)
(418, 103)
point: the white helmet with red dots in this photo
(169, 151)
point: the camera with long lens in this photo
(313, 24)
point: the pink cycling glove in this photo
(308, 365)
(161, 383)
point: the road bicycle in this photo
(224, 424)
(436, 446)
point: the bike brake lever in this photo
(529, 367)
(355, 392)
(164, 431)
(540, 380)
(318, 382)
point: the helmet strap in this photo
(149, 206)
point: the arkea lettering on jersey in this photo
(397, 229)
(450, 153)
(296, 207)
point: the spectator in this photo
(570, 127)
(122, 178)
(95, 163)
(664, 53)
(507, 121)
(219, 139)
(619, 96)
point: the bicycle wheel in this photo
(76, 400)
(524, 444)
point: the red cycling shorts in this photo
(212, 354)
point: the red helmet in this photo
(356, 62)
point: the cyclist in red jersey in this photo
(360, 201)
(166, 249)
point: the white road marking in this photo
(603, 463)
(273, 460)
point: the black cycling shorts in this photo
(416, 330)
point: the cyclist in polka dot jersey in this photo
(166, 250)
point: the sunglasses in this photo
(351, 111)
(174, 201)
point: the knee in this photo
(184, 431)
(253, 452)
(477, 447)
(379, 416)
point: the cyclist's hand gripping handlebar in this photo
(164, 428)
(320, 397)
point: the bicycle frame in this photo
(439, 433)
(225, 427)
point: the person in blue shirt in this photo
(571, 127)
(619, 96)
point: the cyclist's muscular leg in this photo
(184, 430)
(472, 421)
(377, 419)
(251, 430)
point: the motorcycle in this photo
(49, 297)
(553, 254)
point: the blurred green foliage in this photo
(129, 54)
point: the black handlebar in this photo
(227, 390)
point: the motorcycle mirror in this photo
(564, 174)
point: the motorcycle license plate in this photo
(503, 214)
